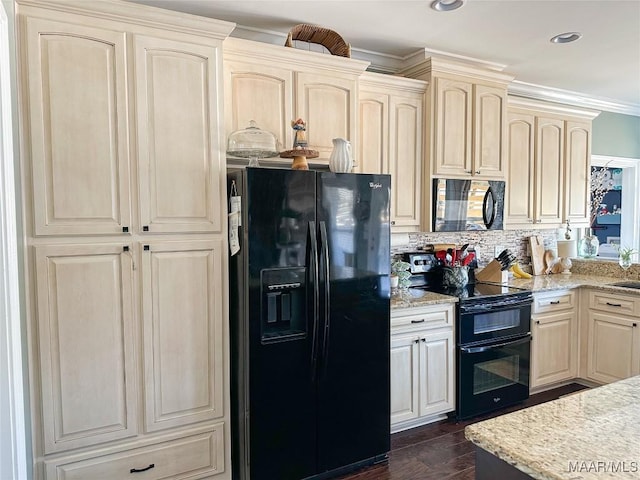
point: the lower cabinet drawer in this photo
(190, 457)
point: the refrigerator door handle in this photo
(315, 288)
(324, 278)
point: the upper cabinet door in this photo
(519, 207)
(453, 116)
(78, 124)
(260, 93)
(328, 105)
(405, 166)
(549, 169)
(577, 166)
(490, 112)
(373, 132)
(179, 145)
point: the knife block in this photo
(493, 273)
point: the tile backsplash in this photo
(515, 240)
(484, 242)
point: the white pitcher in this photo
(341, 160)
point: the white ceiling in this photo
(511, 34)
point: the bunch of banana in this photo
(518, 272)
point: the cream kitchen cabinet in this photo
(182, 306)
(87, 109)
(86, 331)
(422, 365)
(554, 347)
(275, 85)
(391, 141)
(465, 119)
(549, 158)
(613, 323)
(125, 196)
(469, 137)
(577, 171)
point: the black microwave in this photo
(460, 205)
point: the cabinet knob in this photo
(393, 222)
(635, 324)
(468, 171)
(417, 340)
(145, 228)
(538, 322)
(125, 229)
(477, 172)
(424, 340)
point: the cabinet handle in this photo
(145, 228)
(477, 172)
(468, 171)
(530, 220)
(539, 221)
(417, 340)
(125, 229)
(557, 302)
(424, 340)
(614, 304)
(138, 470)
(418, 321)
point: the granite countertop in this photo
(410, 297)
(593, 434)
(539, 283)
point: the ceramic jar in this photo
(341, 160)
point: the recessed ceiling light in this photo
(447, 5)
(566, 37)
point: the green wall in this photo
(616, 135)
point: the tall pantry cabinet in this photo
(122, 165)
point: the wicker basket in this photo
(322, 36)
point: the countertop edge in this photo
(537, 284)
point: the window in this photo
(629, 204)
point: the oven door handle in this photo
(520, 341)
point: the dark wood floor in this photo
(439, 451)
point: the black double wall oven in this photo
(493, 350)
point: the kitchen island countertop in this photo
(592, 434)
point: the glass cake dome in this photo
(252, 143)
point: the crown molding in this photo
(132, 14)
(397, 65)
(549, 94)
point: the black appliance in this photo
(493, 351)
(460, 205)
(493, 338)
(309, 322)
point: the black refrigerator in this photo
(309, 323)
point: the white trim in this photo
(13, 457)
(550, 94)
(395, 64)
(630, 227)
